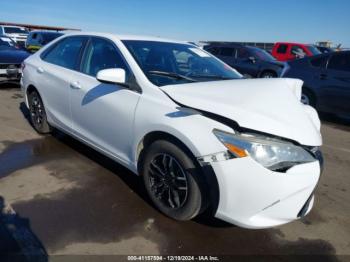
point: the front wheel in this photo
(38, 113)
(172, 181)
(268, 74)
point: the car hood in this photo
(13, 56)
(267, 105)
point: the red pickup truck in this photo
(291, 51)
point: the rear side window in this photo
(340, 62)
(101, 54)
(282, 49)
(318, 62)
(65, 53)
(227, 51)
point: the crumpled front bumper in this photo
(252, 196)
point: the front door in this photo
(103, 113)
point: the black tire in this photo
(37, 113)
(268, 74)
(182, 206)
(308, 98)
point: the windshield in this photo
(15, 30)
(314, 50)
(172, 63)
(6, 43)
(262, 54)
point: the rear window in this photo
(282, 49)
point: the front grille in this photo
(6, 66)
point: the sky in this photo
(305, 21)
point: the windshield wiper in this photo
(172, 75)
(213, 77)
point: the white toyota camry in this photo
(201, 136)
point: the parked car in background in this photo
(199, 135)
(17, 33)
(11, 58)
(290, 51)
(37, 39)
(326, 81)
(249, 61)
(325, 50)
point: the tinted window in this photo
(227, 51)
(101, 54)
(66, 52)
(318, 62)
(282, 49)
(340, 62)
(243, 53)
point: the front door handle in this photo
(40, 70)
(75, 85)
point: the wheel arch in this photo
(312, 93)
(210, 180)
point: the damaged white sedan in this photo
(201, 137)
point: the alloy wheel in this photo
(168, 181)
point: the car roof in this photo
(291, 43)
(126, 37)
(224, 45)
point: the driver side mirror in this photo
(112, 76)
(252, 59)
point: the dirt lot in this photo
(58, 197)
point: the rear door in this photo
(54, 75)
(103, 113)
(336, 84)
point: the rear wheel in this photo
(172, 181)
(38, 113)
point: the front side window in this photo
(167, 63)
(340, 62)
(101, 54)
(66, 52)
(243, 53)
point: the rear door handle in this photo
(40, 70)
(75, 85)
